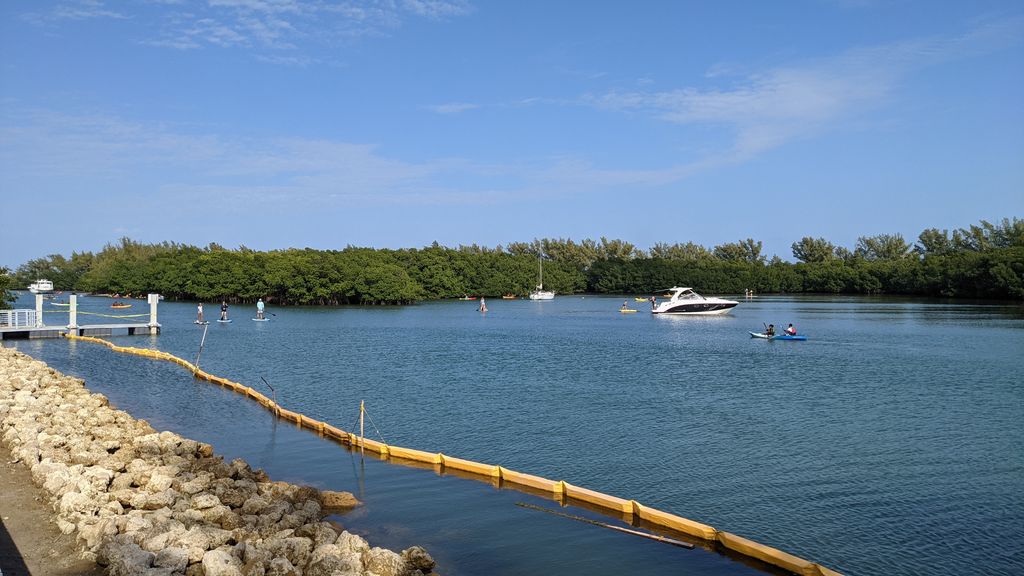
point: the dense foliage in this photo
(6, 285)
(983, 261)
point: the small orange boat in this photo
(120, 305)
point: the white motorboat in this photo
(41, 287)
(540, 293)
(686, 301)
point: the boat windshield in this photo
(688, 294)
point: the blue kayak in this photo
(777, 336)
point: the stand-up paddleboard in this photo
(626, 310)
(261, 319)
(200, 323)
(224, 321)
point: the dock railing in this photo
(18, 318)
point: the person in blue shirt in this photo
(259, 309)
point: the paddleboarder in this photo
(223, 310)
(199, 314)
(259, 309)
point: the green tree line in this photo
(982, 261)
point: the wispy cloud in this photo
(452, 107)
(277, 31)
(437, 8)
(41, 150)
(771, 108)
(75, 10)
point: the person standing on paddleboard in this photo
(199, 313)
(259, 309)
(223, 310)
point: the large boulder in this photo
(221, 563)
(124, 558)
(336, 501)
(330, 560)
(416, 558)
(381, 562)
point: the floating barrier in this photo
(561, 491)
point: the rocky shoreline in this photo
(146, 502)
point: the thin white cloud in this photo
(75, 10)
(42, 150)
(436, 8)
(278, 31)
(452, 107)
(780, 105)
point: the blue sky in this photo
(291, 123)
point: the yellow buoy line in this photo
(81, 313)
(561, 491)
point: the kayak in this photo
(796, 338)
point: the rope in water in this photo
(100, 314)
(655, 537)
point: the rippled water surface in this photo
(889, 443)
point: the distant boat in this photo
(120, 305)
(540, 293)
(41, 287)
(509, 297)
(639, 299)
(468, 298)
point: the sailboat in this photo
(540, 293)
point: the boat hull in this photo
(695, 309)
(796, 338)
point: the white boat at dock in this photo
(41, 287)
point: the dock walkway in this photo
(27, 324)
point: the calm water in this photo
(888, 443)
